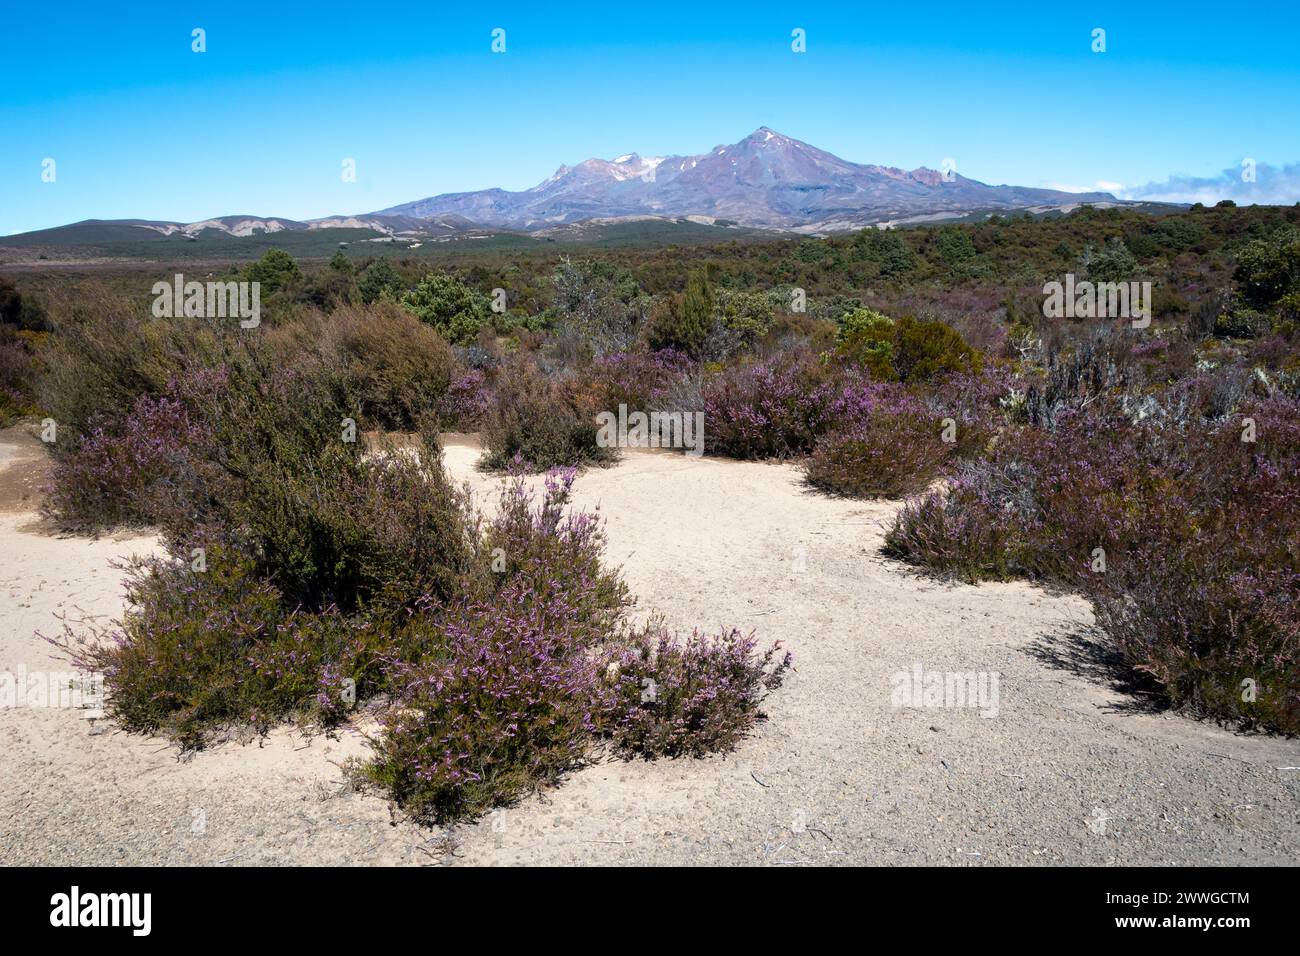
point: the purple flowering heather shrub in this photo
(769, 409)
(688, 698)
(333, 574)
(979, 404)
(466, 401)
(504, 693)
(885, 444)
(17, 376)
(200, 650)
(232, 644)
(783, 406)
(1045, 498)
(543, 420)
(135, 472)
(1198, 574)
(1213, 602)
(1221, 639)
(1280, 354)
(947, 533)
(504, 702)
(886, 440)
(313, 549)
(500, 694)
(641, 380)
(550, 546)
(1163, 359)
(976, 311)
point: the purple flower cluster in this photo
(132, 471)
(1186, 539)
(501, 705)
(466, 401)
(769, 409)
(502, 694)
(692, 697)
(885, 443)
(640, 379)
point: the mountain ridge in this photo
(767, 180)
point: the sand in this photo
(1073, 769)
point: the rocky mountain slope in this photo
(767, 180)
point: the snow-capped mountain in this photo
(767, 180)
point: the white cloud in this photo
(1100, 186)
(1273, 185)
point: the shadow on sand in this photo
(1086, 652)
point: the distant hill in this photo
(765, 184)
(766, 181)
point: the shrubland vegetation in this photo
(318, 557)
(1154, 470)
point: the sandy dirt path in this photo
(1071, 770)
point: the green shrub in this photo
(1111, 263)
(100, 361)
(379, 281)
(954, 245)
(398, 367)
(866, 338)
(924, 350)
(275, 271)
(1269, 268)
(908, 350)
(886, 249)
(335, 529)
(598, 304)
(539, 423)
(327, 522)
(450, 306)
(1241, 321)
(204, 649)
(747, 314)
(683, 323)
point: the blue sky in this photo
(141, 126)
